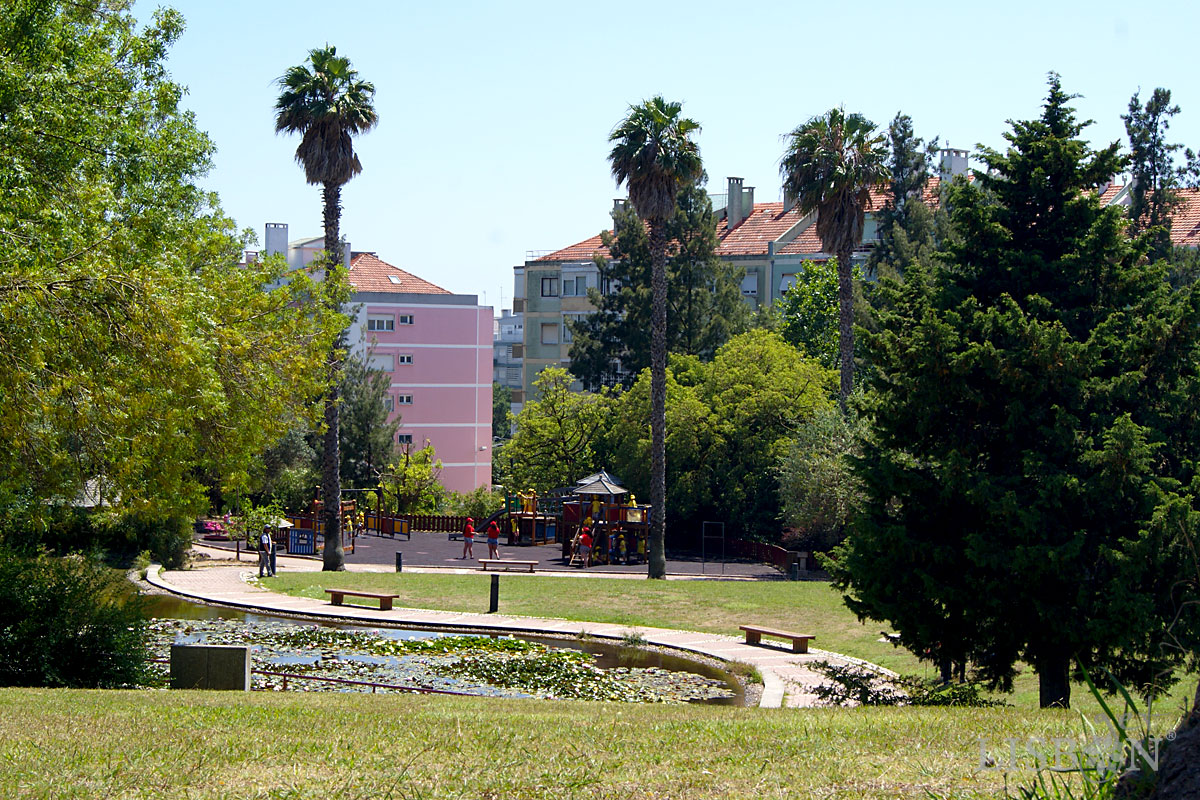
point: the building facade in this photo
(435, 345)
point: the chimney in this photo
(789, 201)
(276, 238)
(953, 162)
(748, 202)
(733, 206)
(619, 204)
(345, 253)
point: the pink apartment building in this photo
(438, 348)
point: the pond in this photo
(478, 664)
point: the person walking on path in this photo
(469, 539)
(493, 539)
(266, 552)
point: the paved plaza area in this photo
(787, 678)
(439, 551)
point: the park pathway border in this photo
(787, 677)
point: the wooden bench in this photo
(385, 600)
(506, 563)
(754, 634)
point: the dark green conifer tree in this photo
(1030, 486)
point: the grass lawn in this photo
(162, 744)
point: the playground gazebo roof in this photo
(601, 485)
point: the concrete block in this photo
(210, 666)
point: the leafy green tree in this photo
(906, 226)
(1029, 470)
(558, 433)
(654, 155)
(704, 299)
(692, 442)
(759, 389)
(135, 352)
(368, 438)
(818, 492)
(1155, 176)
(501, 411)
(327, 104)
(831, 164)
(412, 485)
(809, 312)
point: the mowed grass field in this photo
(709, 606)
(201, 745)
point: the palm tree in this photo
(831, 164)
(327, 104)
(653, 154)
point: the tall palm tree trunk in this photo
(658, 402)
(845, 328)
(331, 461)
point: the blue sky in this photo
(494, 117)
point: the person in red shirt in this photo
(585, 547)
(493, 537)
(469, 539)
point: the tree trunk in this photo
(656, 547)
(845, 327)
(1054, 679)
(331, 461)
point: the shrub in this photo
(118, 536)
(479, 504)
(850, 684)
(68, 622)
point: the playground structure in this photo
(618, 526)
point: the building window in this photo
(404, 319)
(549, 333)
(381, 323)
(404, 399)
(403, 438)
(404, 358)
(389, 404)
(550, 287)
(568, 287)
(381, 363)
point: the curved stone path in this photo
(787, 679)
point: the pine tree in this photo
(1153, 195)
(1029, 479)
(905, 225)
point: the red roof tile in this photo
(1185, 222)
(583, 251)
(369, 273)
(766, 223)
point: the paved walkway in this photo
(787, 678)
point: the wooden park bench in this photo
(506, 563)
(754, 634)
(385, 600)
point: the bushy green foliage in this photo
(479, 503)
(118, 536)
(135, 348)
(68, 622)
(818, 491)
(558, 432)
(410, 485)
(851, 684)
(368, 439)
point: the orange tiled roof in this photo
(1110, 193)
(1185, 222)
(583, 251)
(766, 223)
(369, 273)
